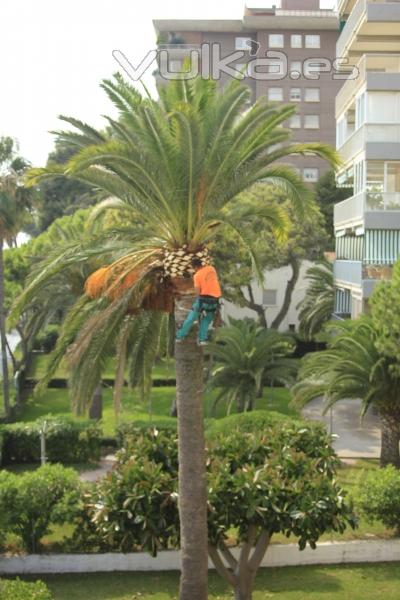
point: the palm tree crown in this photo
(171, 168)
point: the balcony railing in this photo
(348, 271)
(370, 63)
(370, 132)
(351, 211)
(351, 28)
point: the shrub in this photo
(249, 422)
(67, 441)
(15, 589)
(46, 341)
(35, 500)
(279, 480)
(135, 428)
(379, 496)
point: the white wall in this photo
(276, 279)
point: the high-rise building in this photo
(367, 225)
(301, 34)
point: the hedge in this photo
(67, 441)
(248, 422)
(15, 589)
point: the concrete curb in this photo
(279, 555)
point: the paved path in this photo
(105, 465)
(355, 438)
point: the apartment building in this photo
(367, 225)
(298, 29)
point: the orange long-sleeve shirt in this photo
(206, 281)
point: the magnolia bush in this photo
(281, 480)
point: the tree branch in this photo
(252, 305)
(246, 549)
(230, 559)
(221, 568)
(260, 550)
(291, 284)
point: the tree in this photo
(383, 309)
(14, 212)
(246, 355)
(306, 239)
(280, 480)
(352, 367)
(61, 196)
(327, 195)
(317, 306)
(173, 166)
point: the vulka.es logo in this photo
(207, 61)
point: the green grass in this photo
(57, 402)
(352, 582)
(164, 369)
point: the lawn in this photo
(57, 402)
(352, 582)
(164, 369)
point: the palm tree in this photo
(317, 306)
(247, 355)
(173, 166)
(14, 212)
(353, 368)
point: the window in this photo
(312, 95)
(295, 95)
(243, 43)
(313, 41)
(310, 175)
(276, 40)
(311, 121)
(275, 94)
(295, 122)
(269, 297)
(292, 327)
(296, 41)
(295, 69)
(360, 110)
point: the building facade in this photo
(367, 225)
(300, 33)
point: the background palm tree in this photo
(173, 167)
(317, 306)
(14, 214)
(353, 368)
(247, 355)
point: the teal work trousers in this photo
(204, 313)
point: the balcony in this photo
(373, 25)
(348, 272)
(377, 71)
(351, 274)
(372, 133)
(372, 210)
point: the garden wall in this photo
(279, 555)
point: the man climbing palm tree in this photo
(206, 305)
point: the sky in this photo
(54, 53)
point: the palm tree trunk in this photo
(96, 407)
(390, 437)
(192, 465)
(3, 338)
